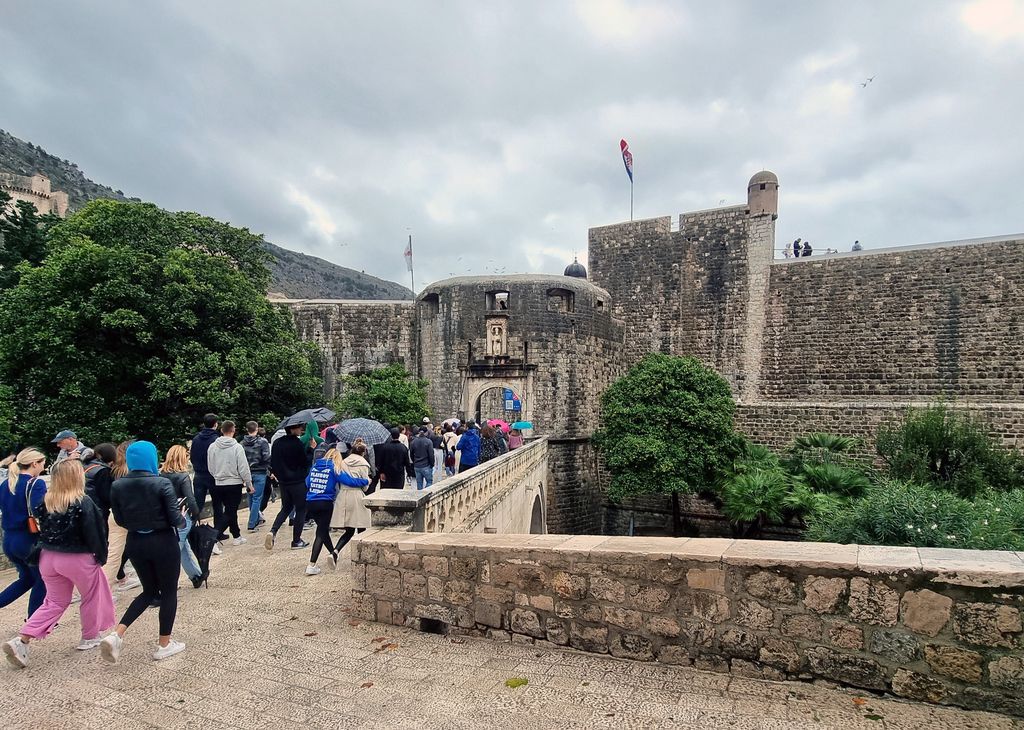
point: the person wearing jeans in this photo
(175, 468)
(145, 504)
(421, 451)
(257, 452)
(21, 491)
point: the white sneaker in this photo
(268, 541)
(129, 582)
(110, 648)
(173, 647)
(87, 644)
(310, 570)
(17, 652)
(216, 548)
(332, 561)
(237, 541)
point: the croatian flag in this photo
(408, 254)
(627, 158)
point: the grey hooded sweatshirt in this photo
(228, 463)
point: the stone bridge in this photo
(505, 495)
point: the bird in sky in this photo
(864, 84)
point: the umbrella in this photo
(503, 425)
(303, 417)
(453, 422)
(369, 431)
(522, 424)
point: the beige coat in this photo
(349, 510)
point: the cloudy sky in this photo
(490, 130)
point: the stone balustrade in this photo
(504, 495)
(940, 626)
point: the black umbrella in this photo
(321, 415)
(369, 431)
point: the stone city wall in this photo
(940, 626)
(903, 324)
(356, 336)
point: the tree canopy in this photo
(666, 426)
(138, 321)
(389, 395)
(22, 237)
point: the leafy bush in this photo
(948, 450)
(902, 513)
(835, 479)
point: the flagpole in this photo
(630, 200)
(412, 274)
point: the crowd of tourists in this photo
(57, 535)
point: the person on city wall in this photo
(290, 460)
(21, 493)
(144, 503)
(72, 553)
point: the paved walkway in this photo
(270, 647)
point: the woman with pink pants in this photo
(73, 538)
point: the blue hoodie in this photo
(323, 480)
(141, 456)
(469, 445)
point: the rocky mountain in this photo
(294, 275)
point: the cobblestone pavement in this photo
(270, 647)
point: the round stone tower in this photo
(763, 194)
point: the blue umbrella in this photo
(369, 431)
(522, 424)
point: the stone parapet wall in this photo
(776, 424)
(940, 626)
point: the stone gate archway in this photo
(475, 387)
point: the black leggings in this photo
(227, 498)
(346, 536)
(124, 559)
(292, 496)
(157, 562)
(320, 511)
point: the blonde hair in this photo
(335, 457)
(67, 486)
(120, 467)
(177, 460)
(25, 458)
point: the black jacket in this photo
(182, 484)
(421, 451)
(81, 529)
(200, 446)
(290, 460)
(97, 483)
(144, 501)
(393, 464)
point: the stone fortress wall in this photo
(35, 189)
(839, 342)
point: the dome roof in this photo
(763, 177)
(576, 269)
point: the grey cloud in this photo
(491, 129)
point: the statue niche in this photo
(497, 337)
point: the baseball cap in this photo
(65, 434)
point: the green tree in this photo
(667, 426)
(389, 395)
(136, 324)
(22, 237)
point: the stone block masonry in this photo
(939, 626)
